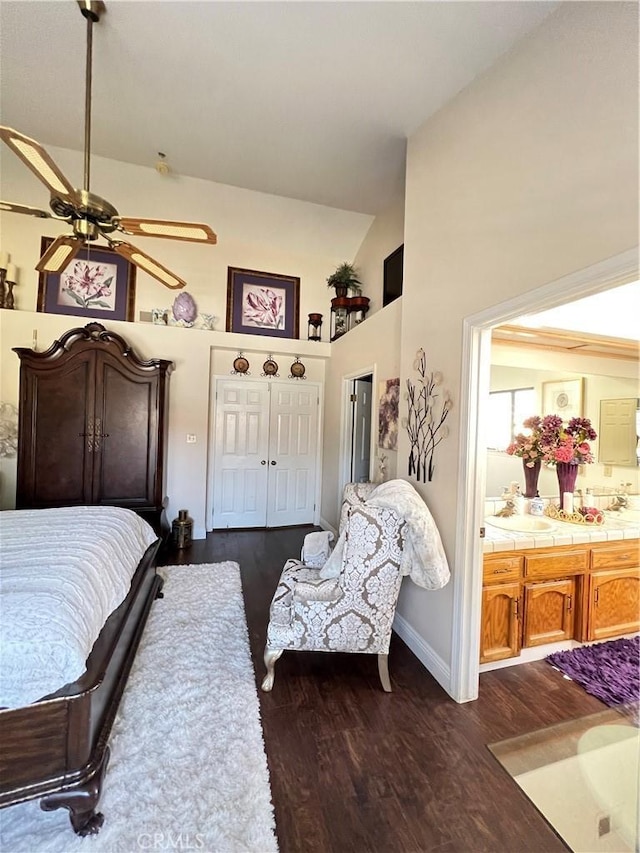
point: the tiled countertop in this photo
(562, 533)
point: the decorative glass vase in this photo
(531, 478)
(567, 474)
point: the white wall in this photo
(529, 174)
(255, 231)
(372, 346)
(383, 237)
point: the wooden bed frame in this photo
(56, 748)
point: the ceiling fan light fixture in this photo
(59, 254)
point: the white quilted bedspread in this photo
(62, 572)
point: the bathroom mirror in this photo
(619, 430)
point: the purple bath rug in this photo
(609, 671)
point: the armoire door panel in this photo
(59, 409)
(126, 417)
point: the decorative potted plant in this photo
(345, 278)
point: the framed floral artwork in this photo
(96, 283)
(388, 410)
(262, 303)
(563, 398)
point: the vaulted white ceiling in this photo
(310, 100)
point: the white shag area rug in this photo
(188, 768)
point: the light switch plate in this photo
(191, 439)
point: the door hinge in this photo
(353, 398)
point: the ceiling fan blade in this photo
(36, 158)
(10, 207)
(147, 263)
(194, 232)
(59, 254)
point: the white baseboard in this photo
(423, 651)
(199, 532)
(326, 526)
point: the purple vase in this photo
(531, 479)
(567, 474)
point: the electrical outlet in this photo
(191, 439)
(608, 472)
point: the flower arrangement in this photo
(552, 442)
(528, 446)
(568, 443)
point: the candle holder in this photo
(314, 332)
(3, 274)
(339, 316)
(8, 297)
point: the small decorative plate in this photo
(297, 370)
(240, 364)
(270, 367)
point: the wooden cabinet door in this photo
(548, 612)
(614, 603)
(127, 453)
(55, 451)
(500, 622)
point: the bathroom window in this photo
(507, 410)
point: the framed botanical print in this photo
(96, 283)
(262, 303)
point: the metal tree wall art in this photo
(429, 405)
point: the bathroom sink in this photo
(521, 523)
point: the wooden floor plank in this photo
(356, 769)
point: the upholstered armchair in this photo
(349, 604)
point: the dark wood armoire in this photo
(92, 425)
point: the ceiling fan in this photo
(90, 216)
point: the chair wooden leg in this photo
(270, 658)
(383, 671)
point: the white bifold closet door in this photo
(265, 453)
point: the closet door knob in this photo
(273, 462)
(264, 462)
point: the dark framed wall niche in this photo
(392, 279)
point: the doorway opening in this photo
(361, 399)
(472, 473)
(356, 448)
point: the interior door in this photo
(293, 436)
(241, 454)
(361, 436)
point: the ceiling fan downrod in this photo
(91, 9)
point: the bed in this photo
(63, 572)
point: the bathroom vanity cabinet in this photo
(540, 596)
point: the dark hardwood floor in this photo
(356, 769)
